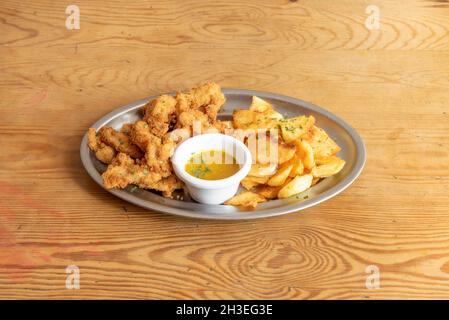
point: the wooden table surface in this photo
(391, 84)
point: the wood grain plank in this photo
(390, 84)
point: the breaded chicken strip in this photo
(103, 152)
(178, 135)
(124, 171)
(140, 134)
(202, 103)
(193, 119)
(126, 128)
(120, 142)
(157, 150)
(207, 98)
(158, 157)
(92, 140)
(160, 113)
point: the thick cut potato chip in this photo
(298, 167)
(286, 152)
(295, 128)
(279, 178)
(260, 105)
(264, 121)
(242, 119)
(275, 115)
(271, 151)
(315, 181)
(247, 119)
(263, 170)
(297, 185)
(248, 183)
(246, 199)
(320, 161)
(259, 180)
(323, 146)
(268, 192)
(305, 152)
(328, 169)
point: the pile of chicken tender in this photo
(139, 153)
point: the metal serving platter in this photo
(353, 152)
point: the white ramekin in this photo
(211, 191)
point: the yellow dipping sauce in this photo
(212, 165)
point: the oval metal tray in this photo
(353, 152)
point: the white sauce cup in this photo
(211, 191)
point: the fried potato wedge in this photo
(264, 121)
(328, 169)
(249, 183)
(286, 152)
(247, 119)
(323, 146)
(268, 192)
(272, 150)
(260, 105)
(242, 119)
(279, 178)
(258, 180)
(295, 186)
(246, 199)
(263, 170)
(320, 161)
(295, 128)
(298, 167)
(315, 181)
(305, 152)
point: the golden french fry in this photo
(246, 199)
(268, 192)
(248, 119)
(328, 169)
(271, 150)
(242, 119)
(264, 121)
(248, 183)
(276, 116)
(305, 152)
(260, 105)
(262, 170)
(294, 128)
(315, 181)
(286, 152)
(320, 161)
(323, 146)
(298, 167)
(280, 176)
(297, 185)
(259, 180)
